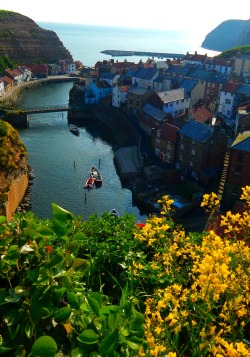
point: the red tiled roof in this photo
(230, 87)
(202, 114)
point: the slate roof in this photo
(171, 95)
(197, 73)
(216, 77)
(145, 73)
(188, 84)
(242, 142)
(176, 70)
(196, 131)
(138, 90)
(108, 76)
(244, 89)
(154, 112)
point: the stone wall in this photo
(16, 194)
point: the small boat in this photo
(89, 183)
(96, 174)
(114, 213)
(74, 129)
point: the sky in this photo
(189, 15)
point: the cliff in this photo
(23, 41)
(13, 170)
(229, 34)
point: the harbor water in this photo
(61, 161)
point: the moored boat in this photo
(96, 174)
(89, 183)
(74, 129)
(114, 213)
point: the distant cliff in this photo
(229, 34)
(22, 40)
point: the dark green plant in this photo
(47, 302)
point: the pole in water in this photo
(74, 164)
(99, 162)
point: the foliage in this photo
(11, 147)
(234, 51)
(109, 287)
(6, 62)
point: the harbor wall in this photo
(15, 195)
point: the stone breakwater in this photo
(116, 53)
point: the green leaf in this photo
(45, 231)
(3, 295)
(109, 342)
(105, 311)
(3, 219)
(61, 214)
(62, 315)
(79, 352)
(137, 319)
(73, 300)
(13, 253)
(94, 305)
(80, 264)
(133, 345)
(44, 346)
(88, 337)
(5, 349)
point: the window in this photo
(181, 146)
(180, 158)
(157, 142)
(191, 163)
(192, 151)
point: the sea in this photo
(85, 42)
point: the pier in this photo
(118, 53)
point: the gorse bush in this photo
(110, 287)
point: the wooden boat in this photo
(89, 183)
(96, 174)
(74, 129)
(114, 213)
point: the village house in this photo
(144, 77)
(242, 121)
(137, 98)
(97, 91)
(120, 95)
(111, 78)
(164, 142)
(151, 118)
(193, 90)
(174, 102)
(1, 87)
(238, 172)
(200, 151)
(195, 59)
(242, 66)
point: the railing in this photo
(44, 109)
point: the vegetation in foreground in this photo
(108, 287)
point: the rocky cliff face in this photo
(229, 34)
(23, 41)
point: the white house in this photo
(119, 95)
(1, 87)
(174, 101)
(227, 99)
(144, 77)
